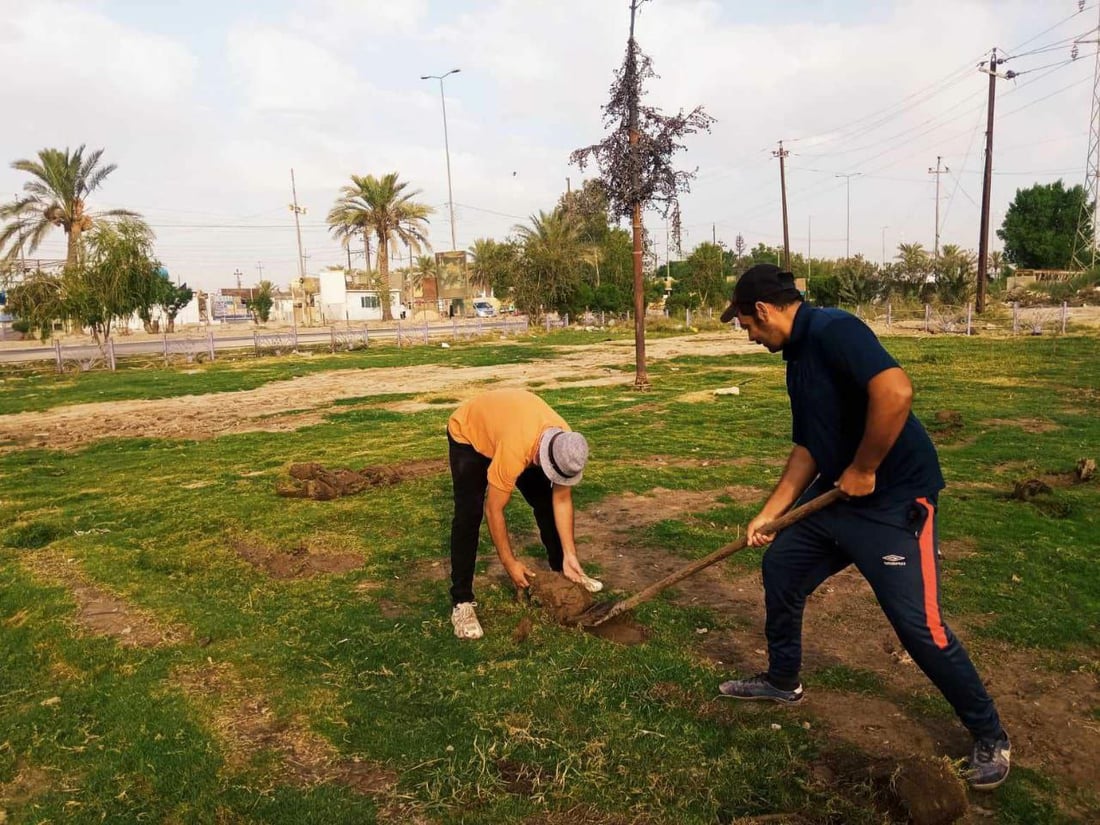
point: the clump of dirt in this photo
(241, 716)
(915, 790)
(945, 424)
(1030, 488)
(313, 480)
(297, 562)
(563, 599)
(1041, 495)
(102, 613)
(522, 631)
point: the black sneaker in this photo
(758, 687)
(989, 764)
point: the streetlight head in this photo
(454, 71)
(425, 77)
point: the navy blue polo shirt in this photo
(831, 358)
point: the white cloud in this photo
(205, 124)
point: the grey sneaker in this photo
(990, 762)
(465, 622)
(758, 687)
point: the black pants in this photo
(469, 474)
(895, 547)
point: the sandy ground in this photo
(287, 405)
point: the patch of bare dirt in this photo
(585, 815)
(1028, 425)
(299, 562)
(246, 725)
(298, 402)
(28, 783)
(312, 480)
(100, 612)
(603, 536)
(709, 461)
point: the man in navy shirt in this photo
(853, 429)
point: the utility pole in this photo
(848, 234)
(782, 153)
(260, 267)
(809, 252)
(884, 244)
(1084, 243)
(237, 272)
(714, 234)
(937, 172)
(983, 240)
(297, 210)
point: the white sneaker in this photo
(465, 621)
(590, 584)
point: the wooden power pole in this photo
(983, 240)
(782, 153)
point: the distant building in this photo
(343, 298)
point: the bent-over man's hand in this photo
(571, 569)
(520, 574)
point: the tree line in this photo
(110, 271)
(568, 259)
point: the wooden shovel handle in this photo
(786, 520)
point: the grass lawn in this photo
(152, 669)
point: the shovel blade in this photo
(597, 614)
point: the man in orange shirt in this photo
(499, 441)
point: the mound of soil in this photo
(916, 790)
(312, 480)
(1029, 489)
(563, 599)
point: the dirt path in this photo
(287, 405)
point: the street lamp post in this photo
(446, 149)
(848, 234)
(884, 244)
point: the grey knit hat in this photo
(562, 455)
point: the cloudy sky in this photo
(206, 106)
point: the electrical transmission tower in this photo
(1084, 244)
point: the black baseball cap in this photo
(762, 282)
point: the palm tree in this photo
(56, 195)
(550, 260)
(380, 206)
(486, 254)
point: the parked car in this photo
(484, 309)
